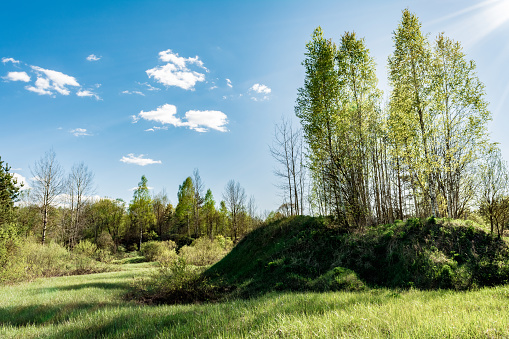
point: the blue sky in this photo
(174, 85)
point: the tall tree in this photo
(162, 211)
(235, 196)
(410, 103)
(317, 106)
(79, 191)
(197, 202)
(47, 185)
(140, 209)
(209, 210)
(185, 205)
(287, 150)
(458, 99)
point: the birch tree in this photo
(47, 183)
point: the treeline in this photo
(60, 208)
(425, 152)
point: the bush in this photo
(175, 284)
(155, 250)
(11, 267)
(46, 260)
(205, 252)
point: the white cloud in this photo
(156, 128)
(165, 114)
(200, 121)
(93, 57)
(176, 71)
(17, 76)
(133, 92)
(78, 132)
(229, 83)
(261, 89)
(6, 60)
(87, 93)
(49, 81)
(138, 160)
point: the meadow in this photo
(94, 306)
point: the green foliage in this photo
(157, 250)
(141, 213)
(11, 269)
(176, 283)
(205, 251)
(9, 192)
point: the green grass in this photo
(92, 306)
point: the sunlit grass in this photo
(92, 306)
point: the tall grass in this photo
(92, 306)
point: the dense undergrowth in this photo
(310, 254)
(305, 253)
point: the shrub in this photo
(153, 250)
(205, 252)
(46, 260)
(11, 265)
(175, 284)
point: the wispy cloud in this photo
(87, 93)
(229, 83)
(49, 81)
(79, 132)
(133, 92)
(6, 60)
(138, 160)
(176, 72)
(200, 121)
(93, 57)
(149, 86)
(17, 76)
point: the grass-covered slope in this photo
(304, 253)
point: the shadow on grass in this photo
(44, 314)
(237, 318)
(76, 287)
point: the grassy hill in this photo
(306, 254)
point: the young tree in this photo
(209, 210)
(79, 191)
(494, 179)
(197, 201)
(185, 205)
(162, 211)
(9, 192)
(287, 151)
(140, 209)
(235, 196)
(47, 185)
